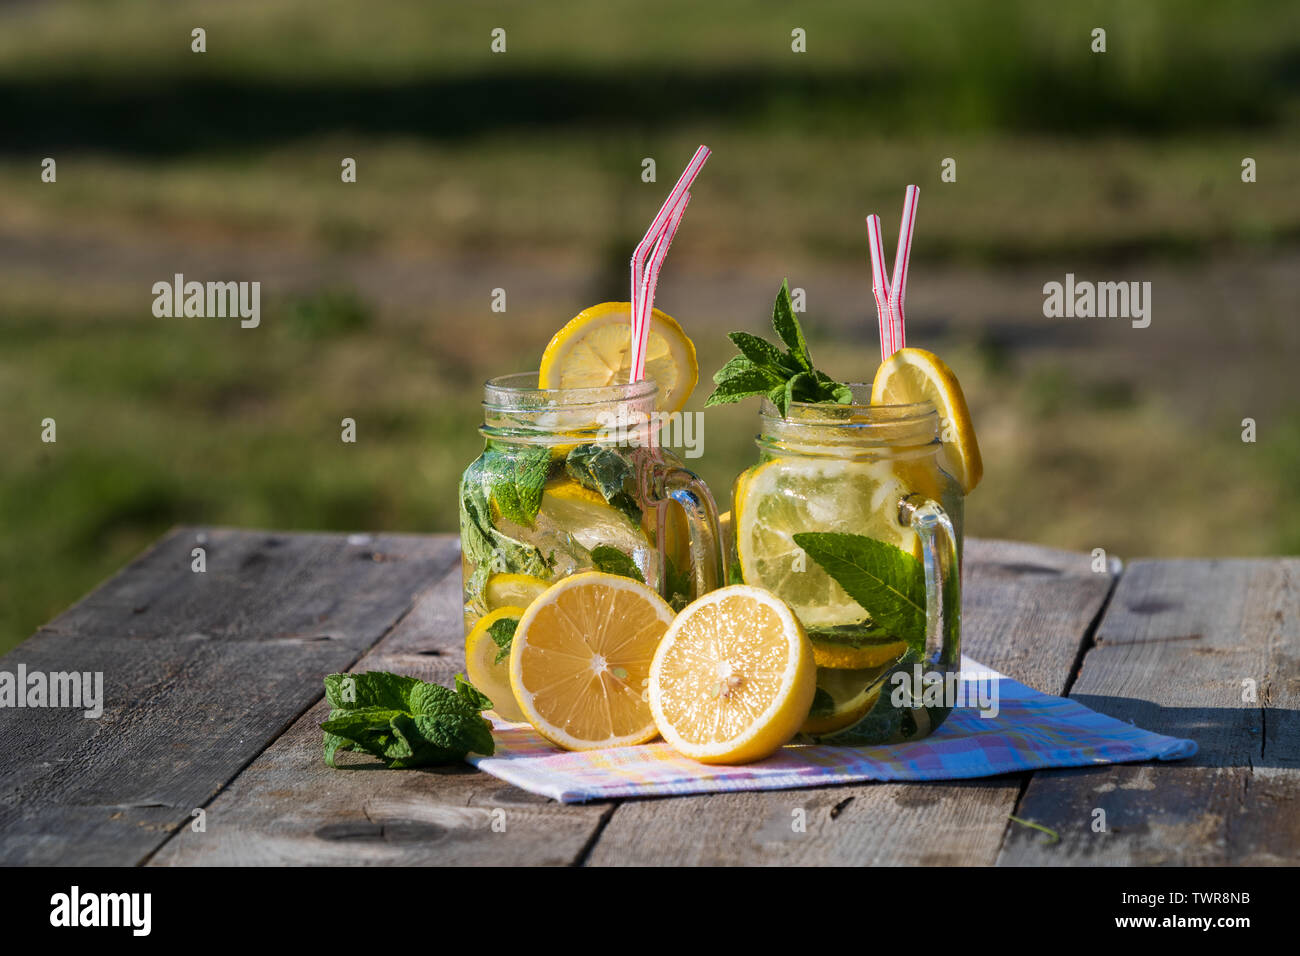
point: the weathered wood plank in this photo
(1026, 610)
(1172, 653)
(287, 807)
(200, 672)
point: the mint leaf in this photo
(486, 546)
(472, 696)
(362, 692)
(605, 470)
(502, 633)
(516, 479)
(416, 724)
(823, 704)
(613, 561)
(333, 744)
(739, 379)
(762, 353)
(783, 376)
(677, 585)
(797, 388)
(788, 328)
(777, 395)
(887, 581)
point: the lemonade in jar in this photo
(572, 478)
(853, 516)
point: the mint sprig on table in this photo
(783, 375)
(405, 721)
(887, 581)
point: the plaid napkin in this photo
(1030, 731)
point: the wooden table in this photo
(213, 700)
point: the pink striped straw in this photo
(880, 285)
(641, 330)
(898, 287)
(651, 239)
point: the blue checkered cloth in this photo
(1030, 731)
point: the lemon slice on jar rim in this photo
(593, 350)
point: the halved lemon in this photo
(733, 678)
(512, 590)
(581, 659)
(849, 699)
(915, 375)
(482, 667)
(788, 495)
(594, 350)
(845, 656)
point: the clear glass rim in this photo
(806, 426)
(518, 391)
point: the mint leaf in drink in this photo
(887, 581)
(404, 721)
(485, 545)
(783, 375)
(608, 472)
(787, 326)
(613, 561)
(502, 633)
(677, 585)
(516, 479)
(823, 704)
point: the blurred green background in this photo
(522, 170)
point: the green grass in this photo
(522, 171)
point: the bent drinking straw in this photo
(898, 286)
(880, 284)
(652, 236)
(890, 294)
(641, 330)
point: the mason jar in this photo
(851, 516)
(575, 480)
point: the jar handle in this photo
(708, 557)
(942, 580)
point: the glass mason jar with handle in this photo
(853, 518)
(574, 480)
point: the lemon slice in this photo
(512, 590)
(581, 658)
(481, 665)
(786, 496)
(843, 656)
(849, 696)
(915, 375)
(571, 520)
(594, 350)
(733, 678)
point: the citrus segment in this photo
(512, 590)
(915, 375)
(733, 678)
(581, 659)
(786, 496)
(481, 665)
(593, 350)
(848, 698)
